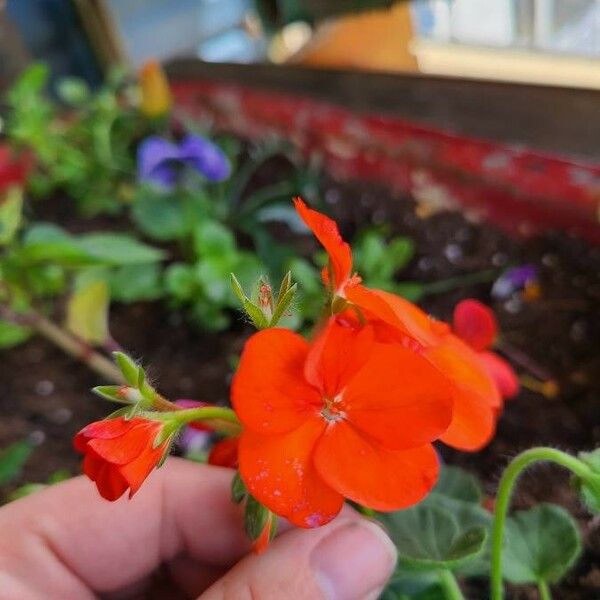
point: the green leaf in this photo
(87, 312)
(589, 489)
(180, 281)
(133, 283)
(255, 517)
(73, 90)
(429, 537)
(45, 242)
(400, 252)
(31, 81)
(238, 489)
(26, 490)
(119, 249)
(213, 239)
(12, 460)
(541, 544)
(129, 368)
(13, 335)
(411, 290)
(10, 214)
(458, 484)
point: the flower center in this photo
(332, 410)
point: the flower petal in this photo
(269, 392)
(338, 352)
(205, 157)
(399, 398)
(136, 471)
(225, 453)
(110, 482)
(475, 323)
(154, 161)
(104, 430)
(327, 232)
(130, 445)
(359, 469)
(477, 403)
(402, 315)
(278, 471)
(502, 373)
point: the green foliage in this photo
(430, 537)
(89, 154)
(87, 312)
(542, 545)
(13, 459)
(589, 489)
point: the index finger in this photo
(183, 508)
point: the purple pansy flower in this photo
(513, 280)
(158, 160)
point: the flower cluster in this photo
(350, 414)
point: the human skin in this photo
(66, 542)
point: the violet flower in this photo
(513, 280)
(159, 160)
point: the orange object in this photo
(373, 40)
(119, 453)
(225, 453)
(477, 401)
(345, 417)
(475, 323)
(156, 93)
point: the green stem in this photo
(505, 490)
(217, 417)
(544, 590)
(452, 283)
(450, 586)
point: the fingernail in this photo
(354, 561)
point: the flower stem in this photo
(450, 586)
(505, 490)
(68, 343)
(452, 283)
(218, 418)
(544, 590)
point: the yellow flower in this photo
(156, 94)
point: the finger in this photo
(349, 559)
(77, 540)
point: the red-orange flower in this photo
(120, 453)
(339, 273)
(225, 453)
(345, 417)
(477, 402)
(475, 323)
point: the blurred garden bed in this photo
(550, 330)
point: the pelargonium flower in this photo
(120, 453)
(343, 417)
(158, 160)
(476, 400)
(476, 324)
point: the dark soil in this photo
(46, 394)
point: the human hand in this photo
(179, 537)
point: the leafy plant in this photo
(86, 151)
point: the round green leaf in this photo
(541, 544)
(456, 483)
(429, 537)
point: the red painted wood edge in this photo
(522, 191)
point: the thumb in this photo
(349, 559)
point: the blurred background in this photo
(554, 42)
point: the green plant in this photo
(85, 147)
